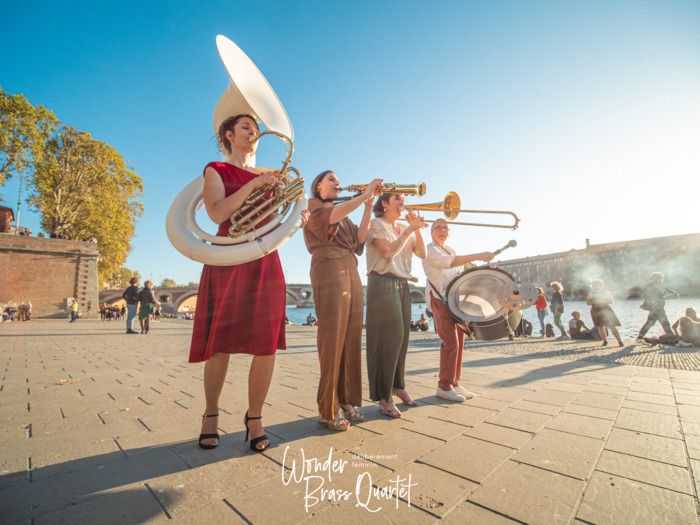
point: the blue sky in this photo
(582, 117)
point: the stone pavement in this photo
(100, 427)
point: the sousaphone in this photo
(270, 216)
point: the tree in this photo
(84, 191)
(168, 283)
(120, 279)
(24, 130)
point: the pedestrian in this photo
(148, 301)
(74, 311)
(541, 307)
(131, 296)
(556, 305)
(655, 294)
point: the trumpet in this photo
(450, 207)
(388, 187)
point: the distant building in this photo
(623, 266)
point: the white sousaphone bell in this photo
(258, 228)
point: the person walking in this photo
(655, 294)
(147, 298)
(556, 305)
(131, 296)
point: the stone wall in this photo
(47, 272)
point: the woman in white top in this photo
(390, 248)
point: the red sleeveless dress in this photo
(241, 308)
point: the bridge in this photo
(184, 299)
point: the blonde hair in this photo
(540, 290)
(557, 286)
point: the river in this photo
(631, 316)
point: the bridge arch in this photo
(417, 296)
(293, 298)
(187, 302)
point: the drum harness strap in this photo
(461, 324)
(432, 286)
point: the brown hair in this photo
(378, 209)
(228, 125)
(317, 180)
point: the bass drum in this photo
(484, 298)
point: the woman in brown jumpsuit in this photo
(334, 241)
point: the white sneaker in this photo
(450, 395)
(466, 393)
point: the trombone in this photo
(388, 187)
(450, 207)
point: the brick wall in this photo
(47, 272)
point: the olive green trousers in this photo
(388, 325)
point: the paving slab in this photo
(647, 471)
(650, 423)
(561, 452)
(467, 457)
(592, 427)
(436, 491)
(611, 500)
(507, 437)
(529, 494)
(600, 413)
(650, 407)
(471, 513)
(649, 446)
(520, 420)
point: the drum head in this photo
(484, 294)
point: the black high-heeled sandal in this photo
(254, 441)
(208, 436)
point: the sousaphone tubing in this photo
(270, 216)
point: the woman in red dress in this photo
(240, 308)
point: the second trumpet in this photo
(389, 187)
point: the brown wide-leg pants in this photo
(451, 347)
(338, 298)
(388, 326)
